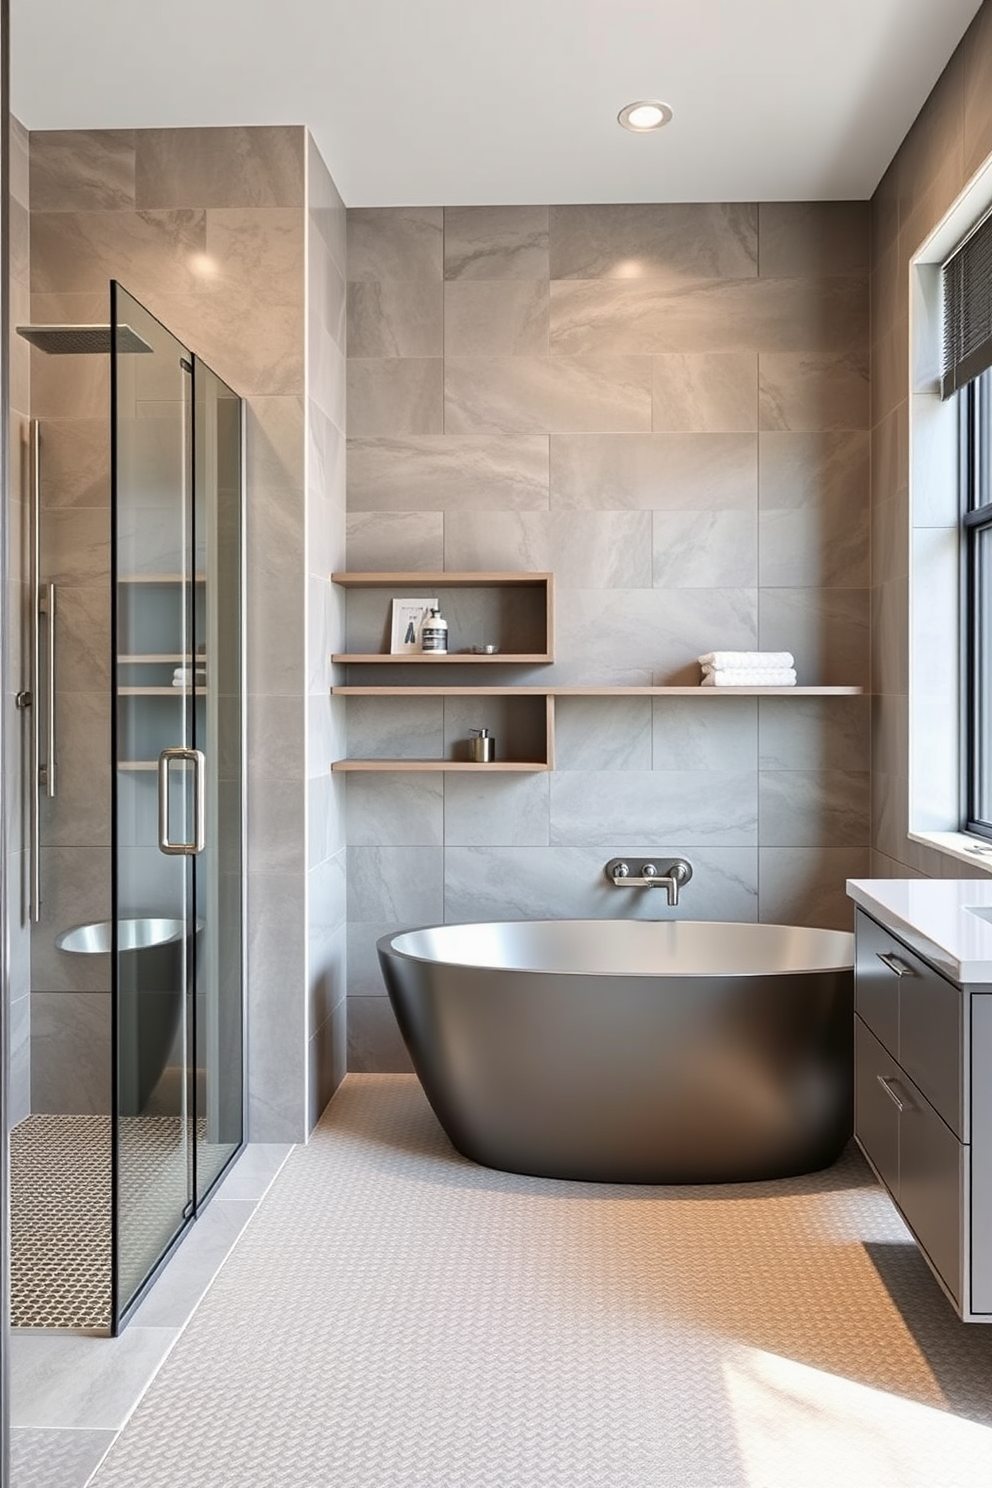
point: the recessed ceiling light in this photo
(644, 116)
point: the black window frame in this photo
(975, 467)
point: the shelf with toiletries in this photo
(494, 729)
(497, 618)
(155, 666)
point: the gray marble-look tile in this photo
(806, 885)
(648, 640)
(714, 807)
(584, 549)
(192, 1268)
(706, 392)
(824, 547)
(395, 243)
(387, 810)
(81, 170)
(384, 541)
(395, 318)
(532, 394)
(704, 549)
(799, 391)
(327, 293)
(325, 814)
(82, 654)
(257, 166)
(496, 243)
(75, 468)
(814, 239)
(827, 630)
(276, 737)
(327, 951)
(42, 1458)
(152, 252)
(276, 1006)
(691, 734)
(448, 472)
(821, 734)
(379, 729)
(395, 395)
(814, 808)
(613, 316)
(496, 810)
(829, 471)
(79, 815)
(75, 890)
(890, 533)
(591, 736)
(276, 825)
(402, 884)
(375, 1044)
(252, 1174)
(327, 1062)
(64, 1381)
(275, 430)
(364, 974)
(276, 621)
(76, 546)
(672, 242)
(650, 472)
(497, 317)
(562, 882)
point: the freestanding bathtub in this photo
(629, 1051)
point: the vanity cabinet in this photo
(923, 1114)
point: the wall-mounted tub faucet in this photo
(647, 875)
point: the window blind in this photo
(967, 280)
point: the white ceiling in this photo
(510, 101)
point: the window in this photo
(976, 493)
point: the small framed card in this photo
(408, 617)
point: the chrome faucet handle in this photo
(619, 870)
(649, 871)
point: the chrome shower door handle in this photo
(188, 847)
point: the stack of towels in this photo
(185, 676)
(748, 669)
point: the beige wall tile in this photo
(385, 541)
(398, 395)
(466, 472)
(813, 239)
(708, 472)
(827, 630)
(977, 49)
(701, 549)
(830, 471)
(676, 243)
(824, 546)
(20, 166)
(395, 318)
(261, 166)
(497, 317)
(705, 393)
(533, 395)
(82, 170)
(255, 256)
(803, 391)
(496, 243)
(151, 251)
(395, 243)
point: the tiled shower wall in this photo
(949, 141)
(208, 228)
(667, 406)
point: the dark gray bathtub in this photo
(629, 1051)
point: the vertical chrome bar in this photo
(187, 847)
(46, 607)
(200, 805)
(34, 766)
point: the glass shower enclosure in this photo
(178, 790)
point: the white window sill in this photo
(972, 850)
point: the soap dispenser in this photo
(481, 746)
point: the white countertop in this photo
(935, 917)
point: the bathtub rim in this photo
(385, 946)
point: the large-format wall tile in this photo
(384, 541)
(378, 731)
(813, 733)
(827, 630)
(76, 546)
(403, 884)
(977, 49)
(559, 882)
(498, 317)
(704, 549)
(260, 352)
(364, 974)
(890, 636)
(890, 455)
(151, 251)
(597, 317)
(697, 734)
(20, 163)
(75, 890)
(814, 239)
(84, 170)
(584, 549)
(395, 243)
(546, 394)
(649, 640)
(813, 808)
(70, 1053)
(261, 166)
(496, 243)
(467, 473)
(276, 619)
(399, 810)
(75, 467)
(706, 392)
(276, 817)
(680, 472)
(496, 810)
(277, 948)
(395, 318)
(676, 243)
(799, 391)
(327, 291)
(82, 653)
(257, 256)
(327, 210)
(807, 885)
(829, 470)
(719, 807)
(398, 395)
(375, 1044)
(71, 387)
(79, 814)
(603, 733)
(823, 546)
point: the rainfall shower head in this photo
(81, 340)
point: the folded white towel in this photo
(183, 676)
(727, 660)
(750, 677)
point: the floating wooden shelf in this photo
(413, 658)
(520, 767)
(554, 690)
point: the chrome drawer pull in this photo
(886, 1084)
(894, 964)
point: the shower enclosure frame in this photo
(123, 1306)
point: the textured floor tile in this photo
(55, 1459)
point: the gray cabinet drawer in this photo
(931, 1186)
(915, 1013)
(876, 1115)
